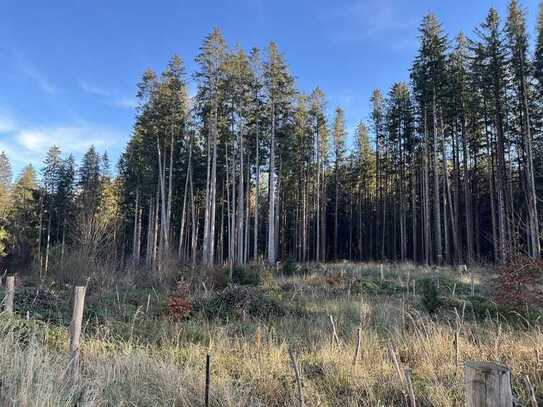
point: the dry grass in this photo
(250, 369)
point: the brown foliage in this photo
(519, 283)
(179, 307)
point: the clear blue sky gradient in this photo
(69, 68)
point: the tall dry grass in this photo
(250, 361)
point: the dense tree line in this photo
(447, 169)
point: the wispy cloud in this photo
(28, 144)
(363, 20)
(31, 71)
(125, 103)
(93, 89)
(109, 97)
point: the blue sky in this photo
(69, 68)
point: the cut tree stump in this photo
(487, 385)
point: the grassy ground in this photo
(133, 355)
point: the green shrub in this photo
(290, 267)
(363, 286)
(248, 275)
(430, 295)
(241, 302)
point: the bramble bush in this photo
(179, 307)
(519, 283)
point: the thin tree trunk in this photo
(257, 192)
(426, 195)
(437, 211)
(185, 193)
(534, 248)
(271, 191)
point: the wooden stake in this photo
(472, 285)
(208, 380)
(410, 389)
(298, 377)
(10, 294)
(258, 338)
(381, 272)
(403, 311)
(357, 350)
(487, 385)
(392, 355)
(335, 338)
(530, 391)
(75, 329)
(456, 348)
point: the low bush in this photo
(46, 304)
(430, 295)
(247, 275)
(179, 307)
(519, 284)
(290, 267)
(241, 302)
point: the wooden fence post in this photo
(75, 329)
(392, 354)
(487, 385)
(457, 347)
(10, 294)
(298, 376)
(335, 338)
(208, 380)
(357, 350)
(530, 391)
(410, 389)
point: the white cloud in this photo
(93, 89)
(28, 144)
(126, 103)
(363, 20)
(41, 80)
(108, 97)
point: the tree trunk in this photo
(271, 191)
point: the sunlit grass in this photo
(149, 361)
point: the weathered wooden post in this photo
(335, 338)
(530, 391)
(456, 343)
(392, 354)
(487, 385)
(75, 329)
(208, 380)
(410, 389)
(298, 377)
(357, 350)
(10, 294)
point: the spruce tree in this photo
(517, 42)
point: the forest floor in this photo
(146, 346)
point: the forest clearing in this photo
(146, 346)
